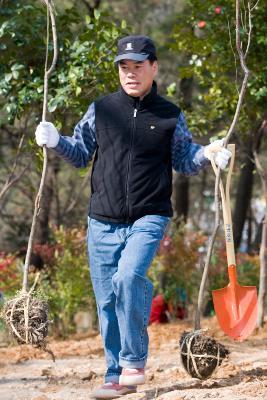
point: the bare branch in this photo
(255, 5)
(246, 74)
(218, 177)
(250, 29)
(208, 258)
(231, 45)
(47, 74)
(243, 23)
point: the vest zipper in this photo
(129, 162)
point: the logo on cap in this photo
(129, 46)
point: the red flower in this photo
(218, 10)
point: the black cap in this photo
(136, 48)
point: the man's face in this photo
(136, 77)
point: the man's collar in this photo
(134, 101)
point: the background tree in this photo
(204, 33)
(84, 71)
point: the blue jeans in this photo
(120, 255)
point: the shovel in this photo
(236, 306)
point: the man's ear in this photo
(155, 67)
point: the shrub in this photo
(67, 282)
(175, 271)
(64, 281)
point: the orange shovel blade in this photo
(236, 309)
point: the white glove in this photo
(46, 134)
(220, 154)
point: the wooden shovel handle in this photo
(226, 207)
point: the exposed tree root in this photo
(201, 354)
(27, 318)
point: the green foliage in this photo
(202, 36)
(85, 67)
(248, 269)
(171, 89)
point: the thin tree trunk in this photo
(42, 230)
(245, 185)
(263, 247)
(243, 195)
(257, 240)
(263, 276)
(249, 235)
(180, 198)
(57, 216)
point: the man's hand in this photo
(220, 154)
(46, 134)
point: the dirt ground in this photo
(29, 374)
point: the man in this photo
(136, 137)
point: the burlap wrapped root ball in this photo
(201, 354)
(27, 319)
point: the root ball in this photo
(201, 354)
(27, 319)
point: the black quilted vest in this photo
(132, 171)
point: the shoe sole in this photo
(131, 380)
(108, 396)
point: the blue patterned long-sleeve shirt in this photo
(187, 156)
